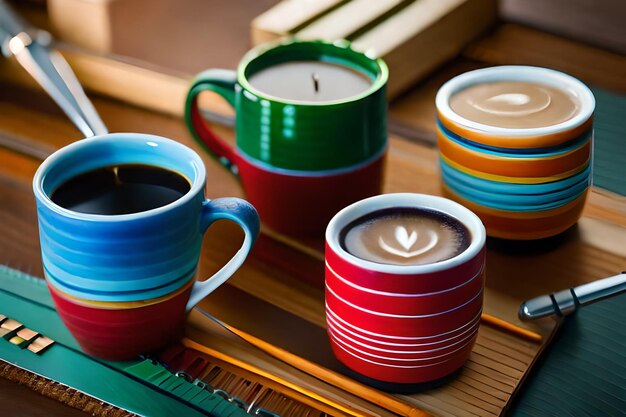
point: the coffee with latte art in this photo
(405, 236)
(515, 104)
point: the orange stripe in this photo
(513, 167)
(542, 141)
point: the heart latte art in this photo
(405, 236)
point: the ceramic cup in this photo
(137, 257)
(524, 183)
(290, 153)
(381, 315)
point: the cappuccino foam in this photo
(405, 236)
(515, 104)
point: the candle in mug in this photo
(310, 81)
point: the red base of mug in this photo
(126, 333)
(302, 205)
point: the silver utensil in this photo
(565, 302)
(31, 48)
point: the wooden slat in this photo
(496, 366)
(413, 37)
(475, 376)
(287, 16)
(352, 17)
(450, 406)
(466, 400)
(472, 384)
(512, 44)
(598, 22)
(492, 374)
(424, 35)
(523, 348)
(494, 355)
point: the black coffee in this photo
(121, 189)
(405, 236)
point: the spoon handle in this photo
(30, 47)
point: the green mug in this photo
(299, 134)
(311, 129)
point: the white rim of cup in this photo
(333, 322)
(346, 338)
(388, 336)
(150, 140)
(403, 200)
(540, 75)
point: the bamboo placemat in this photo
(496, 369)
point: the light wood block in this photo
(413, 37)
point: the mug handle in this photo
(222, 82)
(246, 216)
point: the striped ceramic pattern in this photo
(133, 258)
(522, 186)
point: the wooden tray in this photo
(498, 365)
(289, 323)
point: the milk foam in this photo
(515, 104)
(407, 237)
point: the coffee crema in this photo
(405, 236)
(121, 189)
(515, 104)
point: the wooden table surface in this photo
(31, 126)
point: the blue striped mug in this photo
(141, 255)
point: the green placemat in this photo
(136, 386)
(610, 141)
(584, 371)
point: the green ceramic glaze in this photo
(303, 136)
